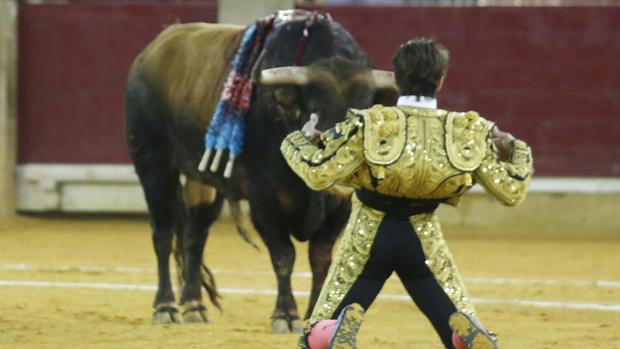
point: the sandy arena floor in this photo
(89, 283)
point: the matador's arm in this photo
(338, 153)
(506, 180)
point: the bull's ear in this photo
(386, 96)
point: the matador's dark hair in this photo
(419, 65)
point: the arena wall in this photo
(8, 104)
(549, 75)
(74, 60)
(245, 12)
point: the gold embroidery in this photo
(423, 169)
(349, 261)
(320, 167)
(430, 165)
(507, 181)
(384, 134)
(439, 260)
(442, 156)
(466, 137)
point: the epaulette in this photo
(385, 131)
(466, 139)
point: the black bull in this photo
(172, 90)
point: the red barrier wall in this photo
(73, 63)
(550, 75)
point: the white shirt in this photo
(417, 102)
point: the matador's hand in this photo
(309, 128)
(503, 142)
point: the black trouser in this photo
(396, 247)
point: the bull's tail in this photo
(235, 212)
(177, 252)
(208, 282)
(177, 247)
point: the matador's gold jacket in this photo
(407, 152)
(416, 153)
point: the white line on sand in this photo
(249, 291)
(96, 269)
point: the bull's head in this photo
(327, 87)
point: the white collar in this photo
(417, 102)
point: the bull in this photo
(172, 90)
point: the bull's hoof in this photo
(297, 326)
(195, 312)
(287, 325)
(280, 326)
(167, 313)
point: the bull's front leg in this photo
(285, 316)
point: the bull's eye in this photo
(286, 96)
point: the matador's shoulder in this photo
(466, 139)
(384, 133)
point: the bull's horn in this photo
(284, 75)
(383, 78)
(255, 74)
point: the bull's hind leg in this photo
(204, 205)
(160, 192)
(285, 317)
(149, 151)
